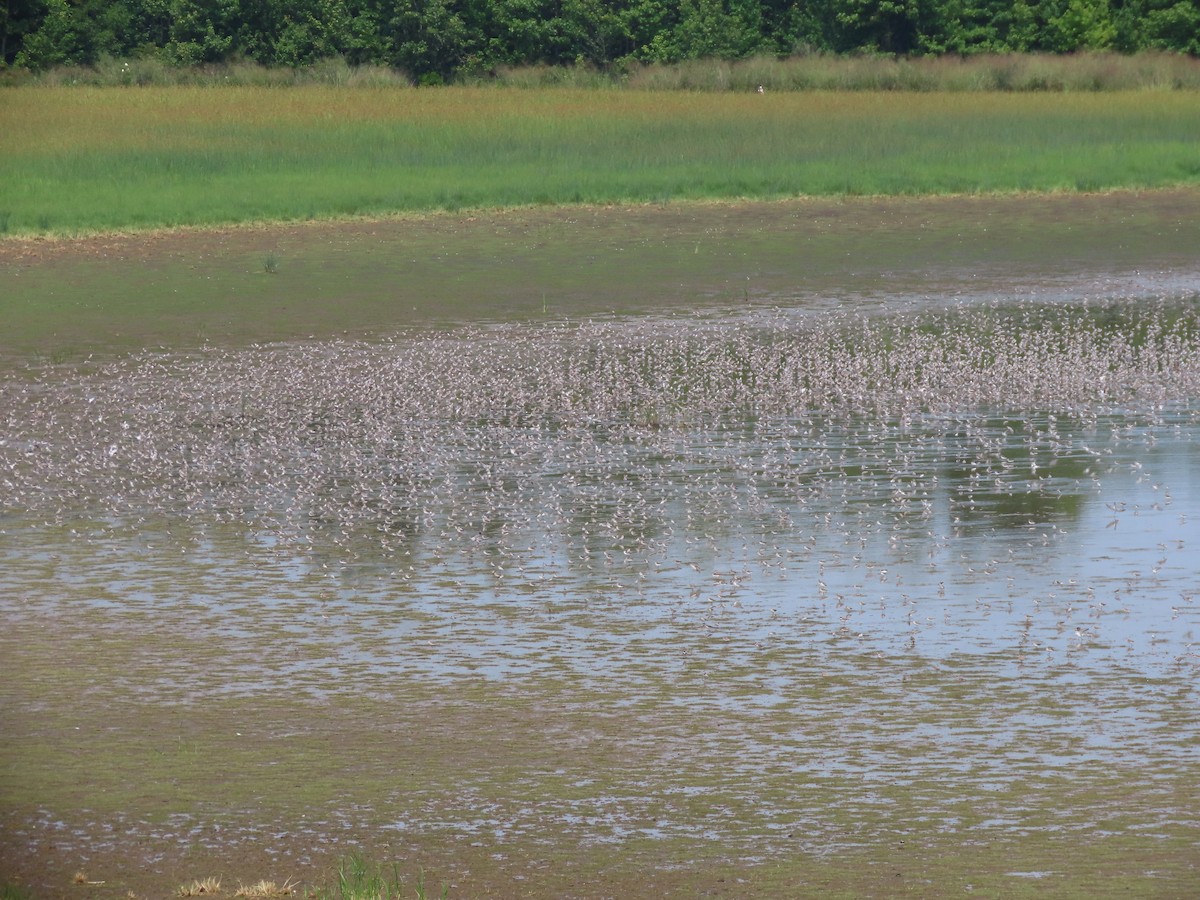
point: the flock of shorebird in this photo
(614, 428)
(640, 454)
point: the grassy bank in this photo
(97, 159)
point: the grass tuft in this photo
(264, 888)
(359, 879)
(201, 887)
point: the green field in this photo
(81, 160)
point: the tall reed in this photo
(986, 72)
(1084, 71)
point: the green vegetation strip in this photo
(89, 159)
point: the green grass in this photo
(360, 879)
(101, 159)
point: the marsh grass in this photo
(151, 72)
(1032, 72)
(1084, 71)
(357, 879)
(202, 887)
(101, 159)
(266, 889)
(360, 879)
(422, 892)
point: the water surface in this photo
(772, 585)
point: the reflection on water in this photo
(729, 548)
(736, 517)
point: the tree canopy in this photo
(434, 40)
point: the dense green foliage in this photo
(435, 40)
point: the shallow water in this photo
(621, 550)
(905, 545)
(754, 583)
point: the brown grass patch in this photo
(204, 886)
(266, 889)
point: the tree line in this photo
(437, 40)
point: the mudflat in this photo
(261, 283)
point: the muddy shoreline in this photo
(362, 278)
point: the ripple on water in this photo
(959, 544)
